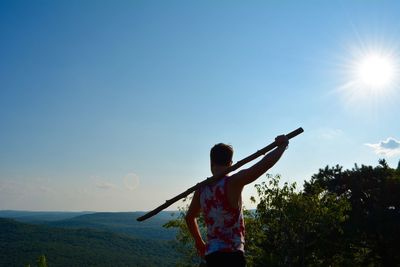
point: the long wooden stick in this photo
(217, 176)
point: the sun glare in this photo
(375, 71)
(371, 76)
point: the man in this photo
(221, 205)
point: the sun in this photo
(370, 78)
(375, 71)
(371, 75)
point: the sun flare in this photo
(375, 71)
(370, 77)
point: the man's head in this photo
(221, 156)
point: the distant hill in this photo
(123, 223)
(117, 222)
(39, 216)
(22, 243)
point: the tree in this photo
(372, 229)
(41, 262)
(291, 228)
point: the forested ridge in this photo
(21, 244)
(122, 223)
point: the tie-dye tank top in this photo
(225, 225)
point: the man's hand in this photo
(282, 140)
(201, 248)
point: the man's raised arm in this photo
(247, 176)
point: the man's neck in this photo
(219, 169)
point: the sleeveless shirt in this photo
(225, 225)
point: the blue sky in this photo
(114, 105)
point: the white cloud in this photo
(129, 182)
(24, 188)
(9, 187)
(390, 147)
(105, 185)
(45, 189)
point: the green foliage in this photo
(41, 262)
(291, 228)
(372, 230)
(20, 244)
(340, 218)
(185, 244)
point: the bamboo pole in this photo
(217, 176)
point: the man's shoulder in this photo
(236, 176)
(235, 181)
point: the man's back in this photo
(225, 225)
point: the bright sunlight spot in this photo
(375, 71)
(371, 77)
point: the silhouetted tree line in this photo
(340, 218)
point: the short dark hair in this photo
(221, 154)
